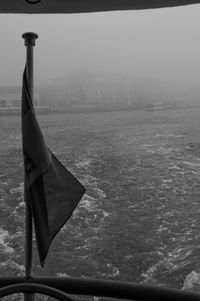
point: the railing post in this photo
(29, 42)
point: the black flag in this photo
(50, 189)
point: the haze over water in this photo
(139, 219)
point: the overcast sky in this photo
(161, 43)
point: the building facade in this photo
(90, 88)
(10, 97)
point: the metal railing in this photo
(61, 288)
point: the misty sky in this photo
(161, 43)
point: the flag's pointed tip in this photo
(42, 261)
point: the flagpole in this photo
(29, 41)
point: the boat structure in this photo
(65, 288)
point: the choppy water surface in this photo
(139, 219)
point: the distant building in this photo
(94, 88)
(10, 97)
(109, 90)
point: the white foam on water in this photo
(173, 166)
(180, 253)
(20, 267)
(89, 180)
(17, 213)
(171, 261)
(147, 145)
(85, 163)
(162, 228)
(166, 150)
(168, 134)
(150, 276)
(21, 205)
(162, 149)
(105, 213)
(4, 182)
(192, 282)
(19, 189)
(167, 181)
(87, 202)
(191, 164)
(165, 186)
(92, 201)
(10, 264)
(99, 192)
(113, 271)
(5, 248)
(93, 184)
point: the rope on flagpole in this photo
(29, 42)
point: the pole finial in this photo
(29, 38)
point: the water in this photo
(139, 219)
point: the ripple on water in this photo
(192, 282)
(18, 190)
(5, 248)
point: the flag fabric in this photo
(51, 191)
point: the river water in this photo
(140, 217)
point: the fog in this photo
(158, 44)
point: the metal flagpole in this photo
(29, 42)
